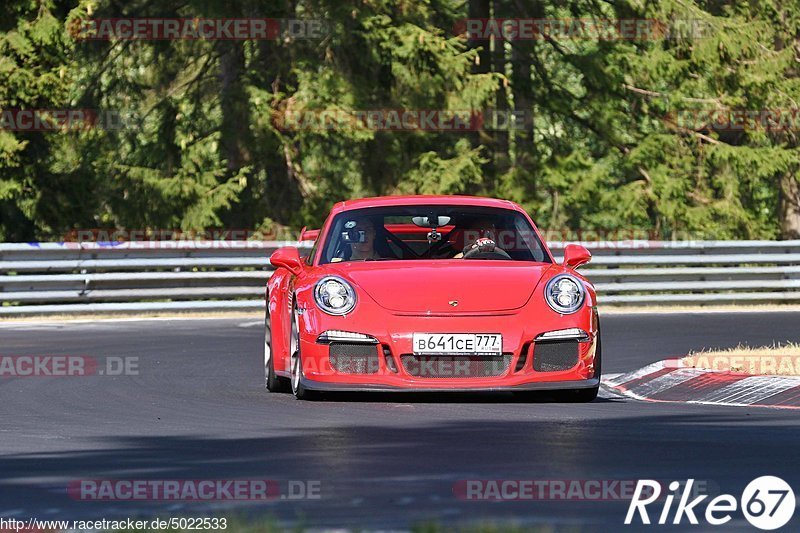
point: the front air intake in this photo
(554, 356)
(354, 358)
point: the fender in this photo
(279, 293)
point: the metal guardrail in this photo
(66, 278)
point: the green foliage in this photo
(454, 175)
(205, 140)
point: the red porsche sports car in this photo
(430, 293)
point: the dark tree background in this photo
(203, 147)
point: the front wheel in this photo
(298, 389)
(273, 382)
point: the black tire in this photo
(272, 381)
(577, 395)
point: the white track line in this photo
(750, 390)
(667, 381)
(617, 379)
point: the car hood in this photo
(431, 287)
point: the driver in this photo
(365, 249)
(479, 238)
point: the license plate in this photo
(458, 344)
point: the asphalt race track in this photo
(197, 410)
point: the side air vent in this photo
(388, 359)
(523, 357)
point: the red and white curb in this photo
(671, 381)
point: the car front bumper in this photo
(393, 367)
(367, 387)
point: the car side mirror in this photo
(287, 257)
(576, 255)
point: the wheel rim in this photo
(294, 338)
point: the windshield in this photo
(432, 232)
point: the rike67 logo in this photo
(767, 502)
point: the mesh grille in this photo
(354, 358)
(455, 366)
(555, 356)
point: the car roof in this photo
(424, 199)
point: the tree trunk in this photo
(790, 205)
(481, 9)
(235, 106)
(521, 83)
(500, 136)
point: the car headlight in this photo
(334, 296)
(564, 294)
